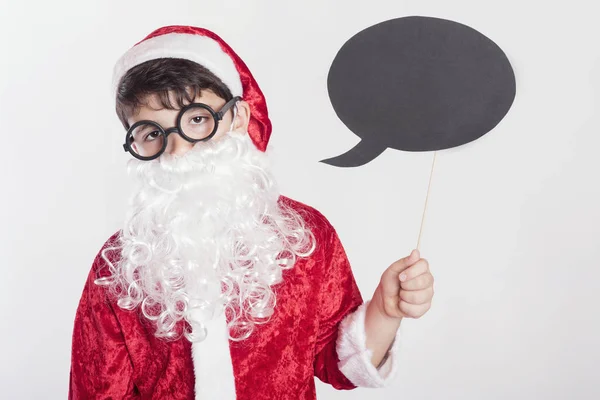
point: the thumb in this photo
(405, 262)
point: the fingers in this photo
(414, 310)
(405, 262)
(420, 282)
(416, 285)
(417, 297)
(418, 268)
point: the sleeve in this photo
(100, 363)
(343, 359)
(339, 297)
(355, 357)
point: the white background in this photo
(514, 220)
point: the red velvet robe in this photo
(116, 356)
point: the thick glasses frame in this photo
(217, 116)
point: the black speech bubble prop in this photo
(418, 84)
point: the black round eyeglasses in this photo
(196, 122)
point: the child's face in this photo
(176, 145)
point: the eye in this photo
(152, 136)
(198, 119)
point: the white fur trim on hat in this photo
(355, 357)
(200, 49)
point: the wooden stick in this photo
(426, 200)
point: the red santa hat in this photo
(206, 48)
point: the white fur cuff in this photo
(355, 358)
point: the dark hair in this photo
(186, 79)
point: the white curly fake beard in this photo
(205, 233)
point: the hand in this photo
(406, 288)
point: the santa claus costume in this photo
(314, 323)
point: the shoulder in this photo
(94, 297)
(107, 255)
(314, 220)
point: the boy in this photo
(218, 287)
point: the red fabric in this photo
(115, 354)
(259, 127)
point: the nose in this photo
(177, 146)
